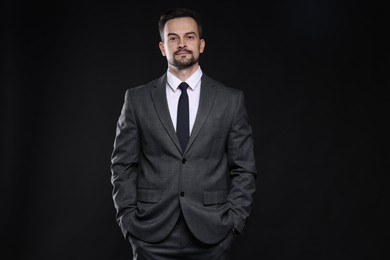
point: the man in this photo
(183, 194)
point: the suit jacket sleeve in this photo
(124, 163)
(242, 164)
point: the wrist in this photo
(235, 232)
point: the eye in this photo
(190, 37)
(172, 38)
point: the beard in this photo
(183, 63)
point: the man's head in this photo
(177, 13)
(181, 37)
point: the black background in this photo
(314, 74)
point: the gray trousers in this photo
(181, 244)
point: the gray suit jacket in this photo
(212, 182)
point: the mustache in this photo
(181, 50)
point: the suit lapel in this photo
(206, 100)
(159, 98)
(207, 96)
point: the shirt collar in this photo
(192, 81)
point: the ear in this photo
(162, 49)
(202, 45)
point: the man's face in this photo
(182, 45)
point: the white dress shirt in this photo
(173, 94)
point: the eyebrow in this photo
(187, 33)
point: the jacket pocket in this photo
(211, 197)
(148, 196)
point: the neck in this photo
(183, 74)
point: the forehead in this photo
(180, 26)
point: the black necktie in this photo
(183, 117)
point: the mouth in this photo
(183, 52)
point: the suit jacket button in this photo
(184, 160)
(182, 194)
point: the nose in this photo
(182, 44)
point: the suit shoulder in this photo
(140, 89)
(221, 87)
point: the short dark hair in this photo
(173, 13)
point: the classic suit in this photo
(212, 182)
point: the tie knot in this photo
(183, 86)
